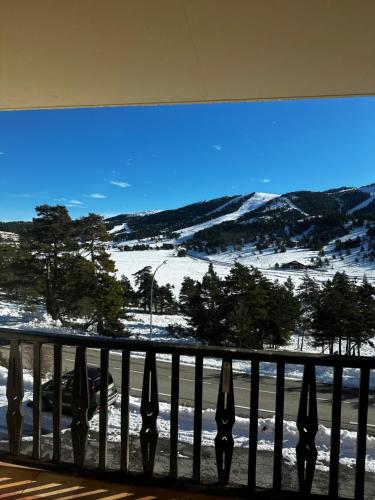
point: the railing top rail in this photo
(122, 343)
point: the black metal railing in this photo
(307, 416)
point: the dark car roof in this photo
(92, 372)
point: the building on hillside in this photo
(294, 265)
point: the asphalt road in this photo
(242, 385)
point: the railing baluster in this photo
(279, 423)
(362, 434)
(307, 415)
(14, 395)
(103, 410)
(149, 412)
(80, 424)
(253, 430)
(37, 400)
(125, 376)
(335, 433)
(175, 386)
(197, 418)
(57, 369)
(307, 424)
(225, 419)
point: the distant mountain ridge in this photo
(304, 218)
(310, 217)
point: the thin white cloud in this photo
(265, 181)
(2, 153)
(29, 195)
(68, 202)
(72, 205)
(218, 147)
(97, 196)
(120, 184)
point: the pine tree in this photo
(16, 272)
(190, 302)
(143, 280)
(187, 292)
(106, 292)
(108, 305)
(283, 309)
(211, 327)
(65, 264)
(366, 303)
(308, 294)
(93, 236)
(129, 295)
(245, 306)
(47, 243)
(336, 317)
(164, 300)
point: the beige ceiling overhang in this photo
(68, 53)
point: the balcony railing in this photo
(307, 417)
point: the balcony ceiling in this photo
(124, 52)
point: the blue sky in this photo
(119, 160)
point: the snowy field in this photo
(196, 265)
(172, 272)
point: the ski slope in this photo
(365, 189)
(254, 202)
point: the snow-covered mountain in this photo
(299, 219)
(184, 222)
(310, 218)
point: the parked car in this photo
(67, 392)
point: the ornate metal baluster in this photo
(149, 413)
(15, 396)
(103, 411)
(307, 424)
(57, 403)
(225, 418)
(80, 400)
(175, 396)
(360, 474)
(279, 422)
(253, 428)
(197, 442)
(125, 377)
(334, 462)
(37, 401)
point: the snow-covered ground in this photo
(7, 236)
(195, 266)
(16, 315)
(173, 272)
